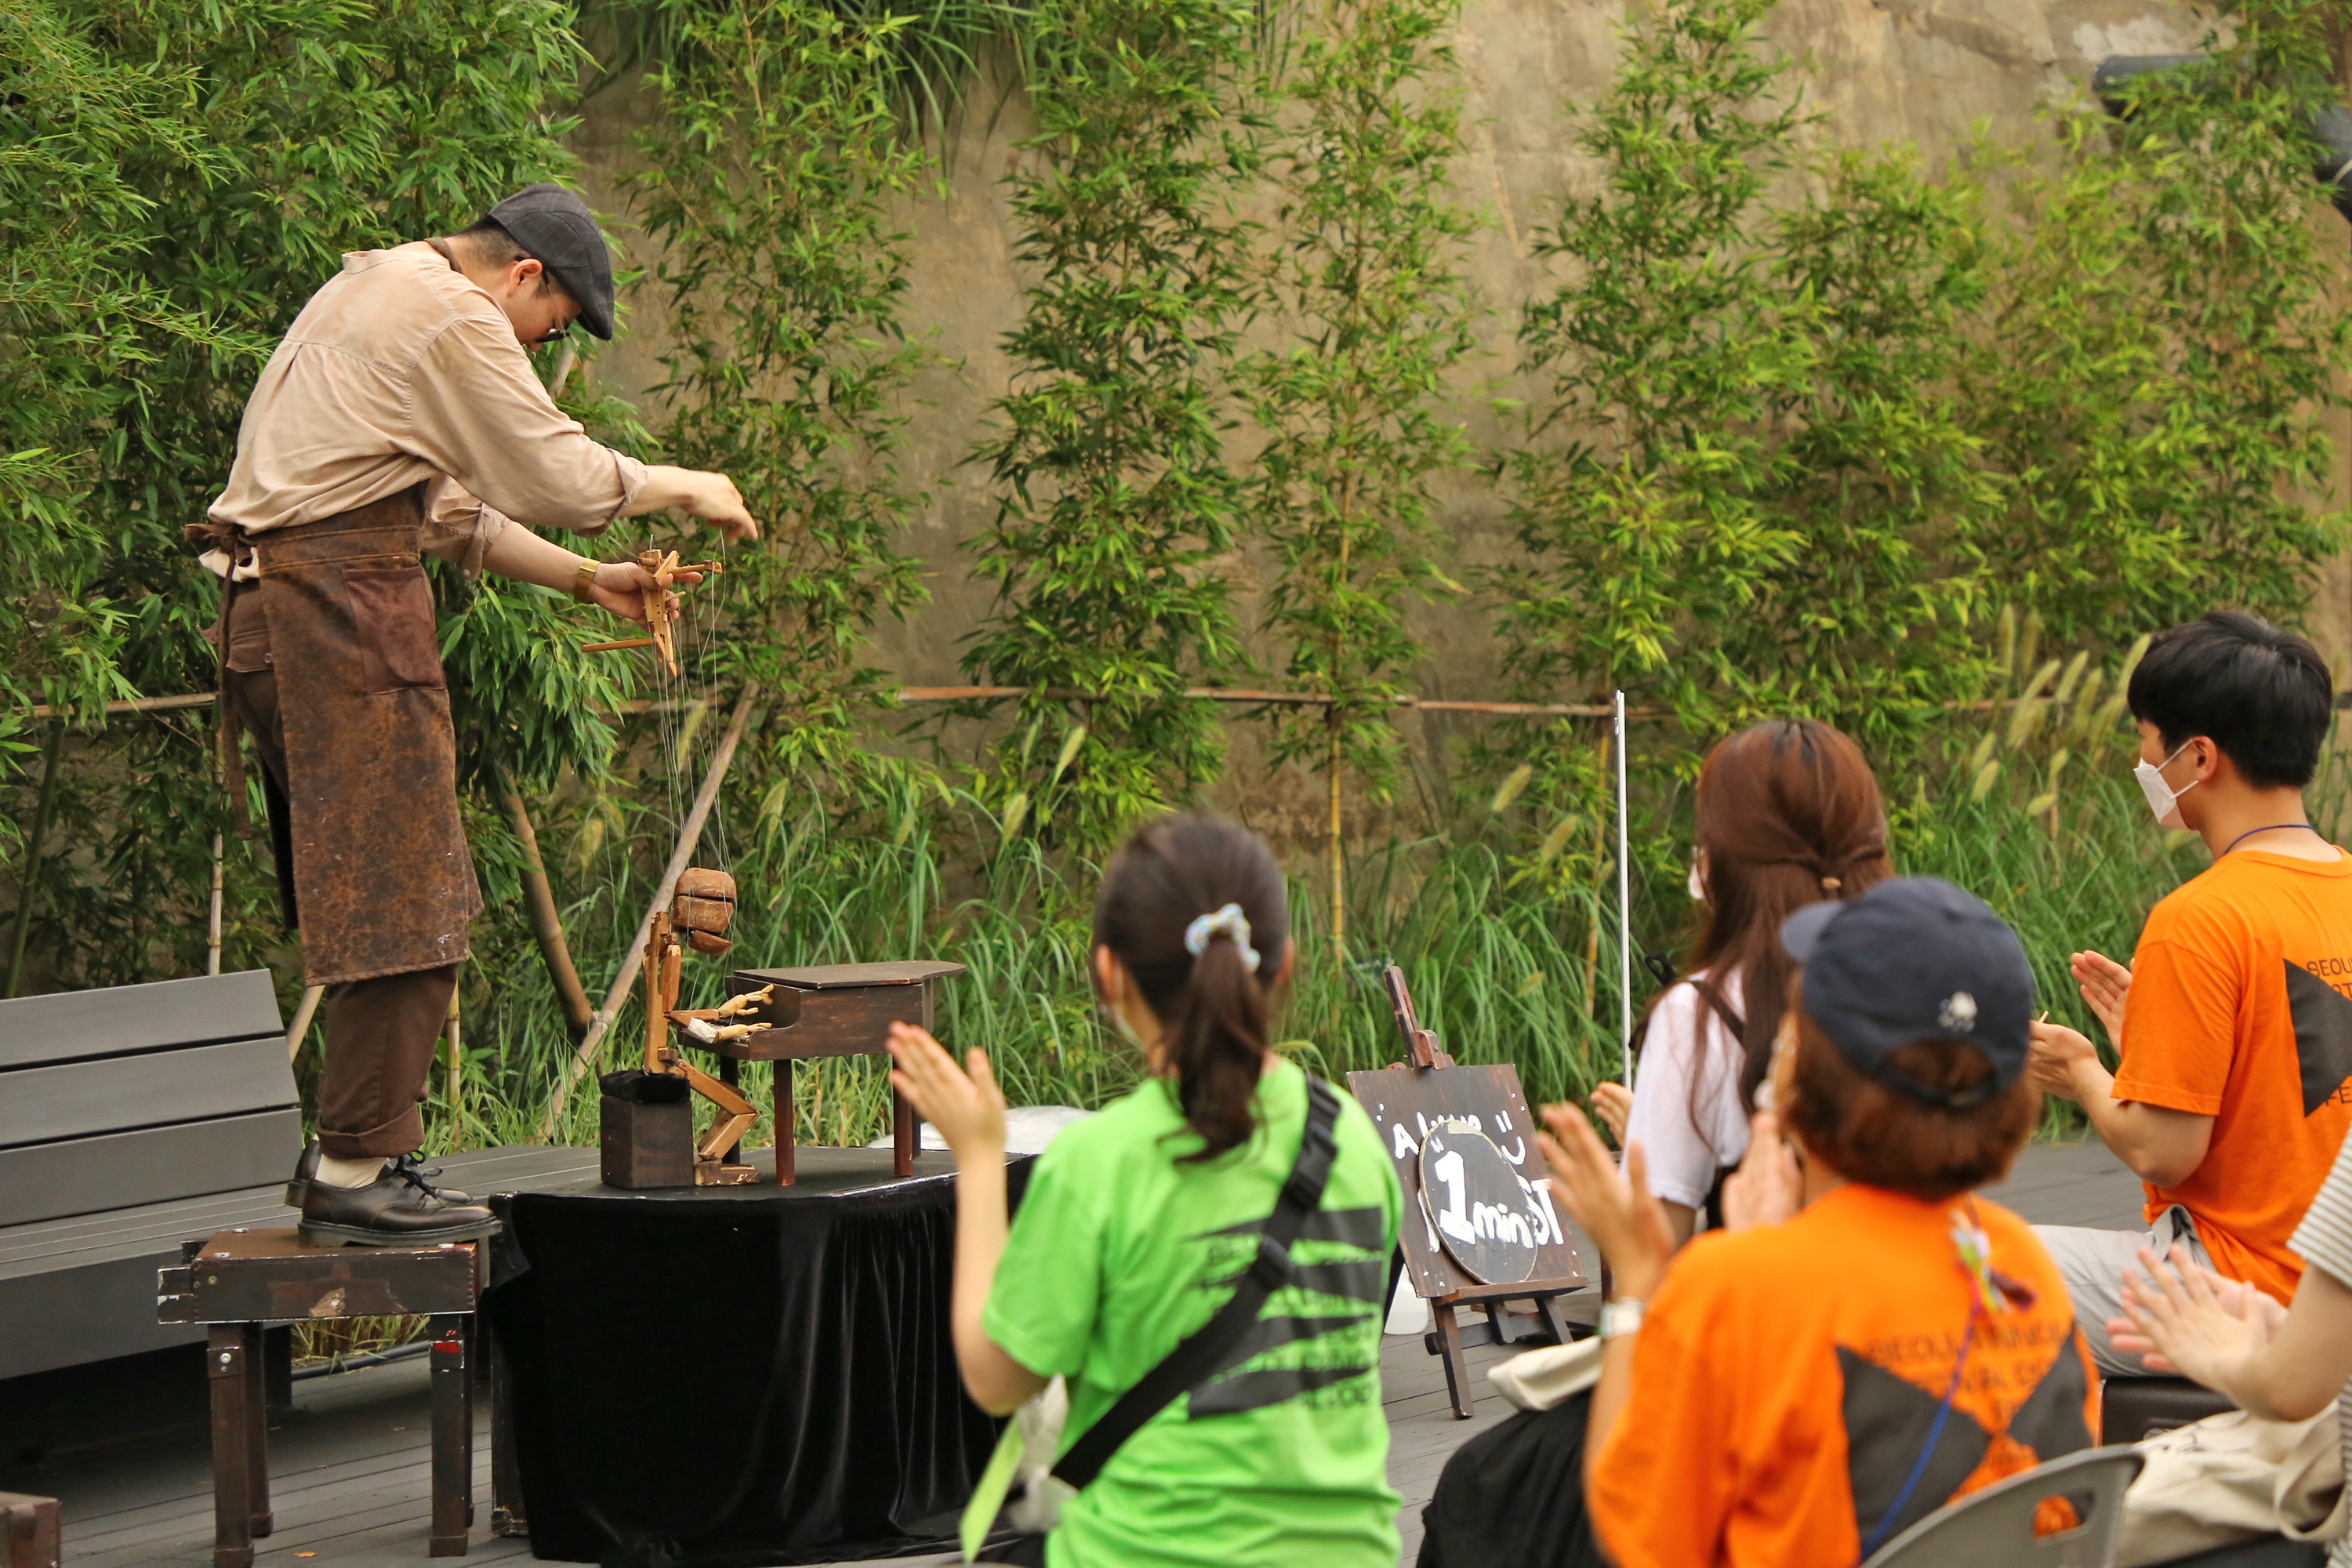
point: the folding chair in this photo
(1996, 1525)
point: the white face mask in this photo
(2162, 798)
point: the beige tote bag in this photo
(2231, 1478)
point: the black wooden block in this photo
(646, 1145)
(29, 1532)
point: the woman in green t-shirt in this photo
(1137, 1222)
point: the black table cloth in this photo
(713, 1377)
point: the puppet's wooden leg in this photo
(785, 1174)
(730, 1073)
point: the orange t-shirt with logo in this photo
(2239, 1011)
(1786, 1379)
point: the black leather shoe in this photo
(399, 1208)
(304, 1169)
(308, 1166)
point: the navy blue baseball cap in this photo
(1916, 959)
(555, 227)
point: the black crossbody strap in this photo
(1202, 1353)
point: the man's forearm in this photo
(2160, 1145)
(665, 487)
(524, 556)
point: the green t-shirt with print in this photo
(1119, 1252)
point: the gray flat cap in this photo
(555, 226)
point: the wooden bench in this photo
(131, 1121)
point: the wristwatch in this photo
(582, 579)
(1620, 1318)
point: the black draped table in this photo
(719, 1377)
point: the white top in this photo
(2323, 1240)
(1688, 1139)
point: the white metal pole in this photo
(1625, 909)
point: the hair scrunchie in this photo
(1229, 922)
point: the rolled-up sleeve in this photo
(459, 526)
(478, 414)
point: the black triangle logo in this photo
(2323, 1034)
(1888, 1421)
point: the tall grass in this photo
(1504, 959)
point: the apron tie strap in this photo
(231, 541)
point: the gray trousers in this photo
(2093, 1262)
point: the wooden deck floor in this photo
(349, 1478)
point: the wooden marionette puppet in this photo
(661, 637)
(700, 911)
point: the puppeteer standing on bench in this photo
(400, 415)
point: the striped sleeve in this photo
(2323, 1240)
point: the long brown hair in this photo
(1788, 814)
(1212, 1010)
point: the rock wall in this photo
(1925, 72)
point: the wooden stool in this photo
(240, 1279)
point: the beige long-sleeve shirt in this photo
(402, 370)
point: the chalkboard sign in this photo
(1410, 1106)
(1486, 1217)
(1480, 1228)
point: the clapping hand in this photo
(963, 1103)
(2184, 1318)
(1767, 1187)
(1624, 1219)
(1613, 1103)
(2055, 1053)
(2106, 985)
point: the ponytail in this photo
(1195, 910)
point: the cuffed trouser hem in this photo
(2093, 1262)
(381, 1036)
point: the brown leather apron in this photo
(382, 881)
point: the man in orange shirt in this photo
(1803, 1386)
(2233, 1022)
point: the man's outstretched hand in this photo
(718, 502)
(711, 496)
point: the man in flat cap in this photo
(402, 417)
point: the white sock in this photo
(334, 1173)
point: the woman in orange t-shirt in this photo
(1805, 1385)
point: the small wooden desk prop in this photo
(1480, 1228)
(242, 1279)
(829, 1010)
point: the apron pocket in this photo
(392, 613)
(248, 630)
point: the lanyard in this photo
(1988, 1289)
(2250, 832)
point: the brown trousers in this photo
(381, 1033)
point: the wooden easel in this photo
(1405, 1101)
